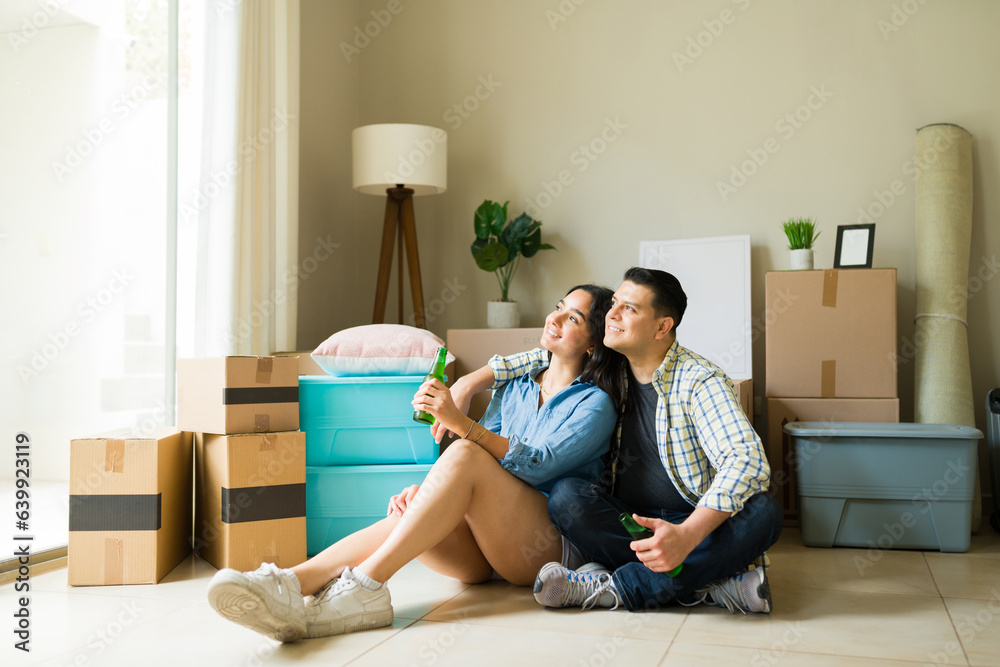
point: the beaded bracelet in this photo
(471, 426)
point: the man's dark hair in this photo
(669, 299)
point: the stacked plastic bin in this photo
(362, 447)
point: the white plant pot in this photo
(802, 259)
(503, 315)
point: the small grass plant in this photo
(801, 233)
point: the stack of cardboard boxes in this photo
(131, 492)
(250, 475)
(830, 357)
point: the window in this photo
(83, 225)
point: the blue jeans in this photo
(588, 516)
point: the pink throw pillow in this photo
(379, 349)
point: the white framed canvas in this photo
(715, 274)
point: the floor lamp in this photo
(403, 162)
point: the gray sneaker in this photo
(267, 600)
(344, 605)
(745, 592)
(590, 586)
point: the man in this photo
(685, 462)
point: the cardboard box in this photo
(474, 347)
(307, 365)
(129, 506)
(250, 494)
(831, 334)
(744, 394)
(780, 453)
(238, 394)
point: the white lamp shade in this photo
(387, 155)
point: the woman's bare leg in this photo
(457, 556)
(508, 518)
(316, 572)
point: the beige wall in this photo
(331, 296)
(557, 84)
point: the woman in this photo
(481, 507)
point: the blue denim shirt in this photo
(566, 437)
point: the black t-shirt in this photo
(642, 481)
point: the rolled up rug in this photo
(943, 379)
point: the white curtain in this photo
(246, 283)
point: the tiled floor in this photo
(832, 607)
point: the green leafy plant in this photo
(500, 243)
(801, 233)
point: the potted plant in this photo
(801, 233)
(499, 246)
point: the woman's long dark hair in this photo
(605, 367)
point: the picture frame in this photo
(855, 246)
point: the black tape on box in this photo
(94, 512)
(263, 503)
(248, 395)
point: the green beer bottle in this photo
(436, 373)
(639, 533)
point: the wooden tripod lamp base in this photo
(399, 224)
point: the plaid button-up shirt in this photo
(708, 447)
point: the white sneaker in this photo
(590, 586)
(745, 592)
(267, 600)
(344, 605)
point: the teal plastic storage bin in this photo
(343, 499)
(885, 486)
(362, 420)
